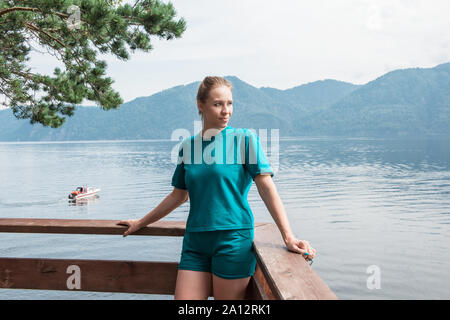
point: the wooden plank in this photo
(262, 284)
(94, 275)
(287, 273)
(85, 226)
(88, 226)
(258, 288)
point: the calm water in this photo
(360, 203)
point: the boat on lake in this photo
(83, 192)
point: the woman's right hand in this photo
(133, 226)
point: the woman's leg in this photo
(232, 264)
(193, 285)
(229, 289)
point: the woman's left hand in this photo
(302, 247)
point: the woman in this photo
(217, 254)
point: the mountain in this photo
(309, 99)
(408, 102)
(312, 94)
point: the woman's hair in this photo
(207, 85)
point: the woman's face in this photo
(218, 107)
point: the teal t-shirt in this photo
(218, 174)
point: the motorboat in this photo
(83, 192)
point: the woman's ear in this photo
(200, 106)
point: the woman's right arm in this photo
(173, 200)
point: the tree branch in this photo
(33, 27)
(8, 10)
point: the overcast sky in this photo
(286, 43)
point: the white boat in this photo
(83, 192)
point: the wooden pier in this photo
(279, 275)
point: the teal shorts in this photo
(227, 254)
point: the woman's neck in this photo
(211, 132)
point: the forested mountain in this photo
(400, 103)
(408, 102)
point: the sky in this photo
(286, 43)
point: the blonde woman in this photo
(217, 255)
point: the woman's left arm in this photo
(269, 194)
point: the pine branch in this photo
(104, 27)
(8, 10)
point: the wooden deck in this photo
(279, 274)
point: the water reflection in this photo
(83, 201)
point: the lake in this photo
(361, 203)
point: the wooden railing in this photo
(279, 274)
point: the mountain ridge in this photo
(403, 102)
